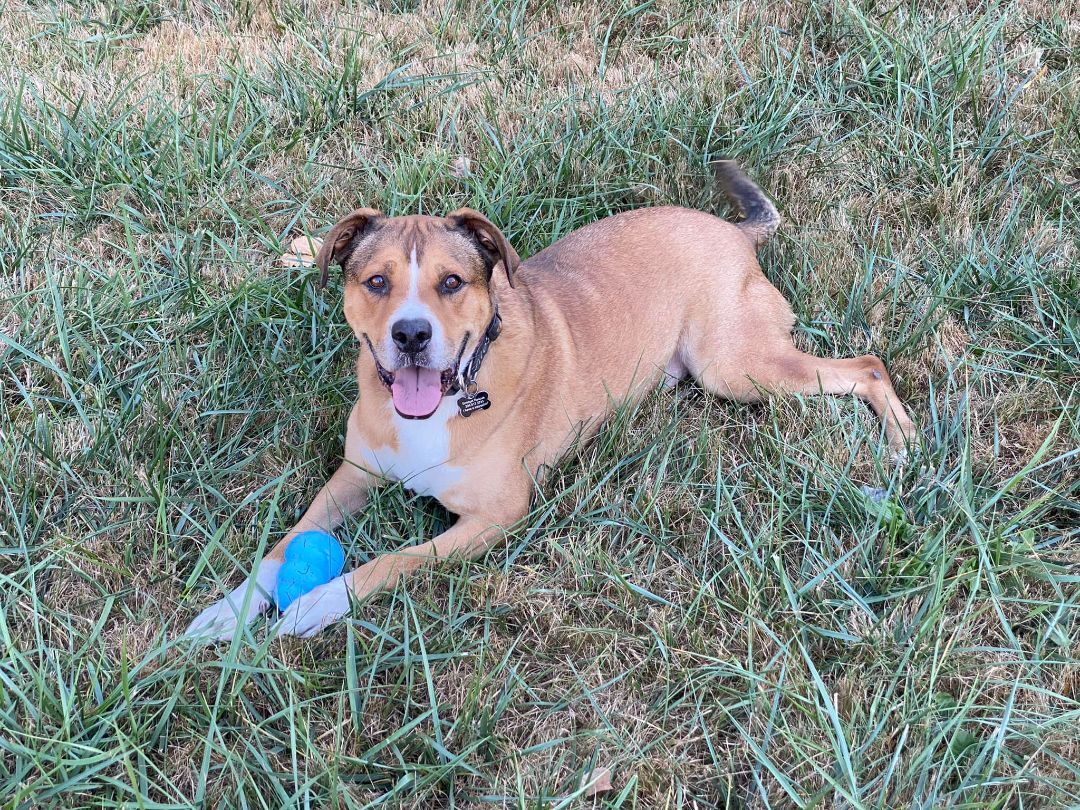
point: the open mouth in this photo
(418, 390)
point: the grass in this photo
(705, 600)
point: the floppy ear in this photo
(490, 238)
(341, 236)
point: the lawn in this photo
(713, 604)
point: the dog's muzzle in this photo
(415, 388)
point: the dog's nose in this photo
(411, 335)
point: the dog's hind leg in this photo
(765, 369)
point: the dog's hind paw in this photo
(219, 621)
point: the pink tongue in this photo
(417, 391)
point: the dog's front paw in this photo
(315, 610)
(219, 621)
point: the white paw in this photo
(315, 610)
(219, 621)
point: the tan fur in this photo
(592, 321)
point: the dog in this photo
(478, 370)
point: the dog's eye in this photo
(376, 283)
(452, 283)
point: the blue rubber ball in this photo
(311, 559)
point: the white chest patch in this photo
(421, 460)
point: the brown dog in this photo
(478, 370)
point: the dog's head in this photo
(418, 290)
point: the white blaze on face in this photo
(417, 391)
(413, 307)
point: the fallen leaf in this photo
(301, 252)
(598, 781)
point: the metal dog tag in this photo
(471, 403)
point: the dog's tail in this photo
(760, 217)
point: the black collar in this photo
(467, 378)
(472, 399)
